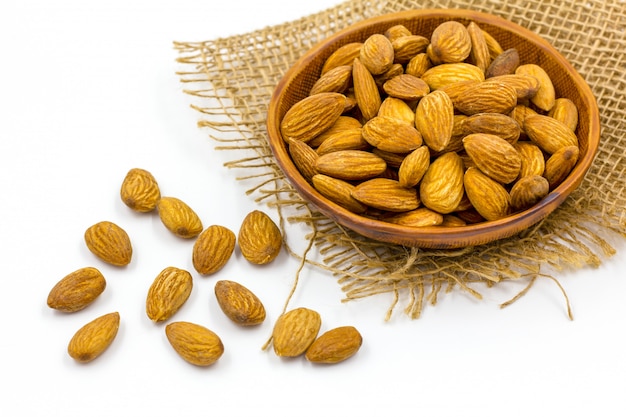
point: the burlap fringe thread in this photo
(233, 79)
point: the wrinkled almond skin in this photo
(344, 55)
(109, 242)
(397, 109)
(487, 97)
(179, 218)
(345, 140)
(336, 80)
(339, 192)
(418, 65)
(406, 47)
(341, 124)
(259, 238)
(442, 75)
(490, 199)
(365, 90)
(140, 190)
(494, 124)
(533, 162)
(386, 194)
(528, 191)
(413, 167)
(548, 133)
(167, 294)
(525, 85)
(91, 340)
(335, 345)
(420, 217)
(311, 116)
(434, 119)
(479, 53)
(451, 42)
(545, 96)
(441, 188)
(494, 156)
(351, 165)
(391, 135)
(564, 110)
(194, 343)
(505, 63)
(560, 164)
(294, 331)
(239, 304)
(213, 248)
(304, 157)
(377, 54)
(77, 290)
(406, 87)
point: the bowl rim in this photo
(435, 237)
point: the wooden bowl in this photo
(297, 82)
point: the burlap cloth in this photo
(231, 81)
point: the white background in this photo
(88, 90)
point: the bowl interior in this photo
(298, 81)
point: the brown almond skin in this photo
(213, 248)
(560, 164)
(259, 238)
(495, 157)
(505, 63)
(490, 199)
(441, 188)
(140, 190)
(339, 192)
(335, 345)
(548, 133)
(365, 90)
(194, 343)
(351, 165)
(91, 340)
(77, 290)
(239, 304)
(344, 55)
(451, 42)
(528, 191)
(109, 242)
(377, 54)
(386, 194)
(167, 294)
(179, 218)
(295, 331)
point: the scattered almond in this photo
(213, 248)
(140, 190)
(91, 340)
(167, 294)
(259, 239)
(294, 331)
(194, 343)
(335, 345)
(77, 290)
(109, 242)
(179, 218)
(239, 304)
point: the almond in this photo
(351, 165)
(239, 304)
(140, 190)
(397, 109)
(77, 290)
(420, 217)
(441, 75)
(341, 124)
(343, 55)
(337, 80)
(259, 239)
(434, 119)
(167, 294)
(311, 116)
(304, 158)
(505, 63)
(497, 124)
(545, 96)
(533, 162)
(441, 188)
(397, 31)
(194, 343)
(406, 47)
(344, 140)
(386, 194)
(548, 133)
(377, 54)
(490, 199)
(479, 53)
(335, 345)
(528, 191)
(365, 90)
(406, 87)
(213, 248)
(418, 65)
(451, 42)
(487, 97)
(391, 135)
(295, 331)
(109, 242)
(494, 156)
(179, 218)
(91, 340)
(525, 85)
(339, 192)
(560, 164)
(495, 49)
(413, 167)
(564, 110)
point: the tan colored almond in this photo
(179, 218)
(565, 111)
(525, 86)
(77, 290)
(109, 242)
(487, 97)
(343, 55)
(494, 156)
(479, 53)
(304, 158)
(391, 135)
(451, 42)
(494, 124)
(311, 116)
(519, 114)
(528, 191)
(413, 167)
(548, 133)
(397, 109)
(339, 192)
(239, 304)
(341, 124)
(351, 165)
(343, 141)
(194, 343)
(393, 160)
(450, 220)
(434, 119)
(140, 190)
(397, 31)
(545, 96)
(406, 47)
(495, 49)
(439, 76)
(168, 293)
(505, 63)
(393, 71)
(337, 80)
(365, 90)
(533, 162)
(441, 188)
(335, 345)
(420, 217)
(490, 199)
(294, 331)
(406, 87)
(418, 65)
(377, 54)
(259, 239)
(91, 340)
(212, 249)
(386, 194)
(560, 164)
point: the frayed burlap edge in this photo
(232, 79)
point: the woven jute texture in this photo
(232, 79)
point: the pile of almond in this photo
(443, 129)
(259, 241)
